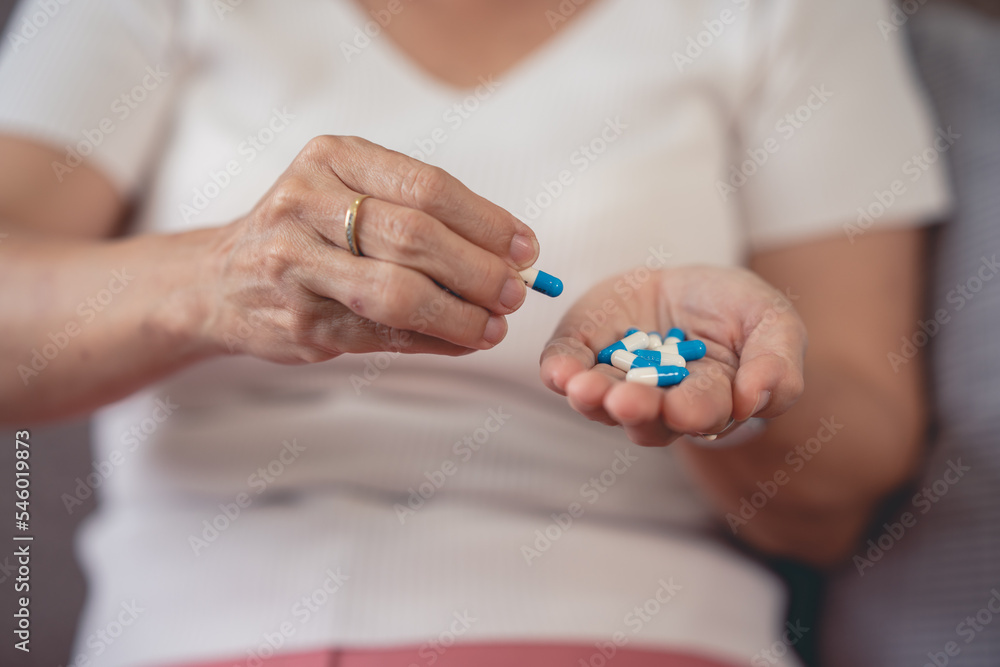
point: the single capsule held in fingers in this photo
(542, 282)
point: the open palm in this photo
(756, 344)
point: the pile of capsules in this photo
(649, 359)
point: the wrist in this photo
(183, 315)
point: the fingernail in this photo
(496, 329)
(514, 291)
(763, 398)
(523, 250)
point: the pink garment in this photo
(478, 655)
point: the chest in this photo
(595, 140)
(459, 41)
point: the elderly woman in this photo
(175, 182)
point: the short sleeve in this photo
(92, 78)
(836, 136)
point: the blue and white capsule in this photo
(542, 282)
(632, 330)
(655, 340)
(657, 376)
(691, 350)
(626, 361)
(637, 341)
(660, 358)
(674, 336)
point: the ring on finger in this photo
(712, 436)
(350, 221)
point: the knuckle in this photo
(481, 280)
(796, 384)
(429, 313)
(301, 326)
(390, 338)
(306, 330)
(275, 261)
(329, 149)
(492, 275)
(352, 143)
(289, 197)
(395, 293)
(472, 327)
(424, 185)
(321, 148)
(408, 231)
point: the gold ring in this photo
(349, 220)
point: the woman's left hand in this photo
(756, 345)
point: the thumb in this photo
(572, 347)
(770, 376)
(563, 357)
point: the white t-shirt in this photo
(369, 500)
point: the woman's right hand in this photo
(284, 287)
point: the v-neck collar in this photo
(387, 49)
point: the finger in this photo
(562, 359)
(586, 392)
(703, 402)
(414, 239)
(335, 329)
(639, 409)
(410, 342)
(631, 404)
(399, 297)
(319, 329)
(393, 177)
(404, 236)
(770, 377)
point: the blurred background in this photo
(62, 454)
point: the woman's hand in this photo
(287, 289)
(756, 344)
